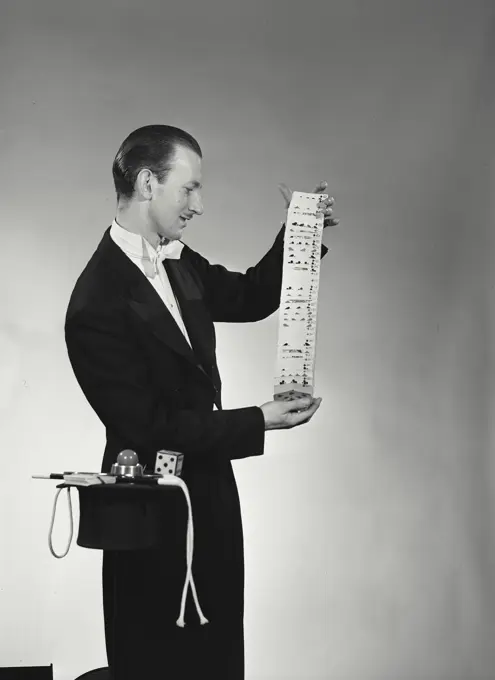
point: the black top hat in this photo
(129, 516)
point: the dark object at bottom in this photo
(97, 674)
(28, 673)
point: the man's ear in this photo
(145, 184)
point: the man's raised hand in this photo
(325, 205)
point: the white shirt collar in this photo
(138, 247)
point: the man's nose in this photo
(196, 205)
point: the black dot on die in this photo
(158, 469)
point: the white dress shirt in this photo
(149, 262)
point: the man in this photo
(141, 341)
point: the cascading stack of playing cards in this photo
(296, 348)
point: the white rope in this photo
(50, 532)
(176, 481)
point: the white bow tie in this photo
(151, 261)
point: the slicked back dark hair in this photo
(152, 147)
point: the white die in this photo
(169, 463)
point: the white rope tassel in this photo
(176, 481)
(50, 532)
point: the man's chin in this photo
(173, 234)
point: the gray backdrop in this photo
(388, 495)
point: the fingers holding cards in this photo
(326, 206)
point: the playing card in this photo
(294, 370)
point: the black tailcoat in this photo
(152, 391)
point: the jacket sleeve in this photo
(236, 297)
(116, 381)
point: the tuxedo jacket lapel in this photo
(194, 314)
(147, 304)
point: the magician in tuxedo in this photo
(141, 341)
